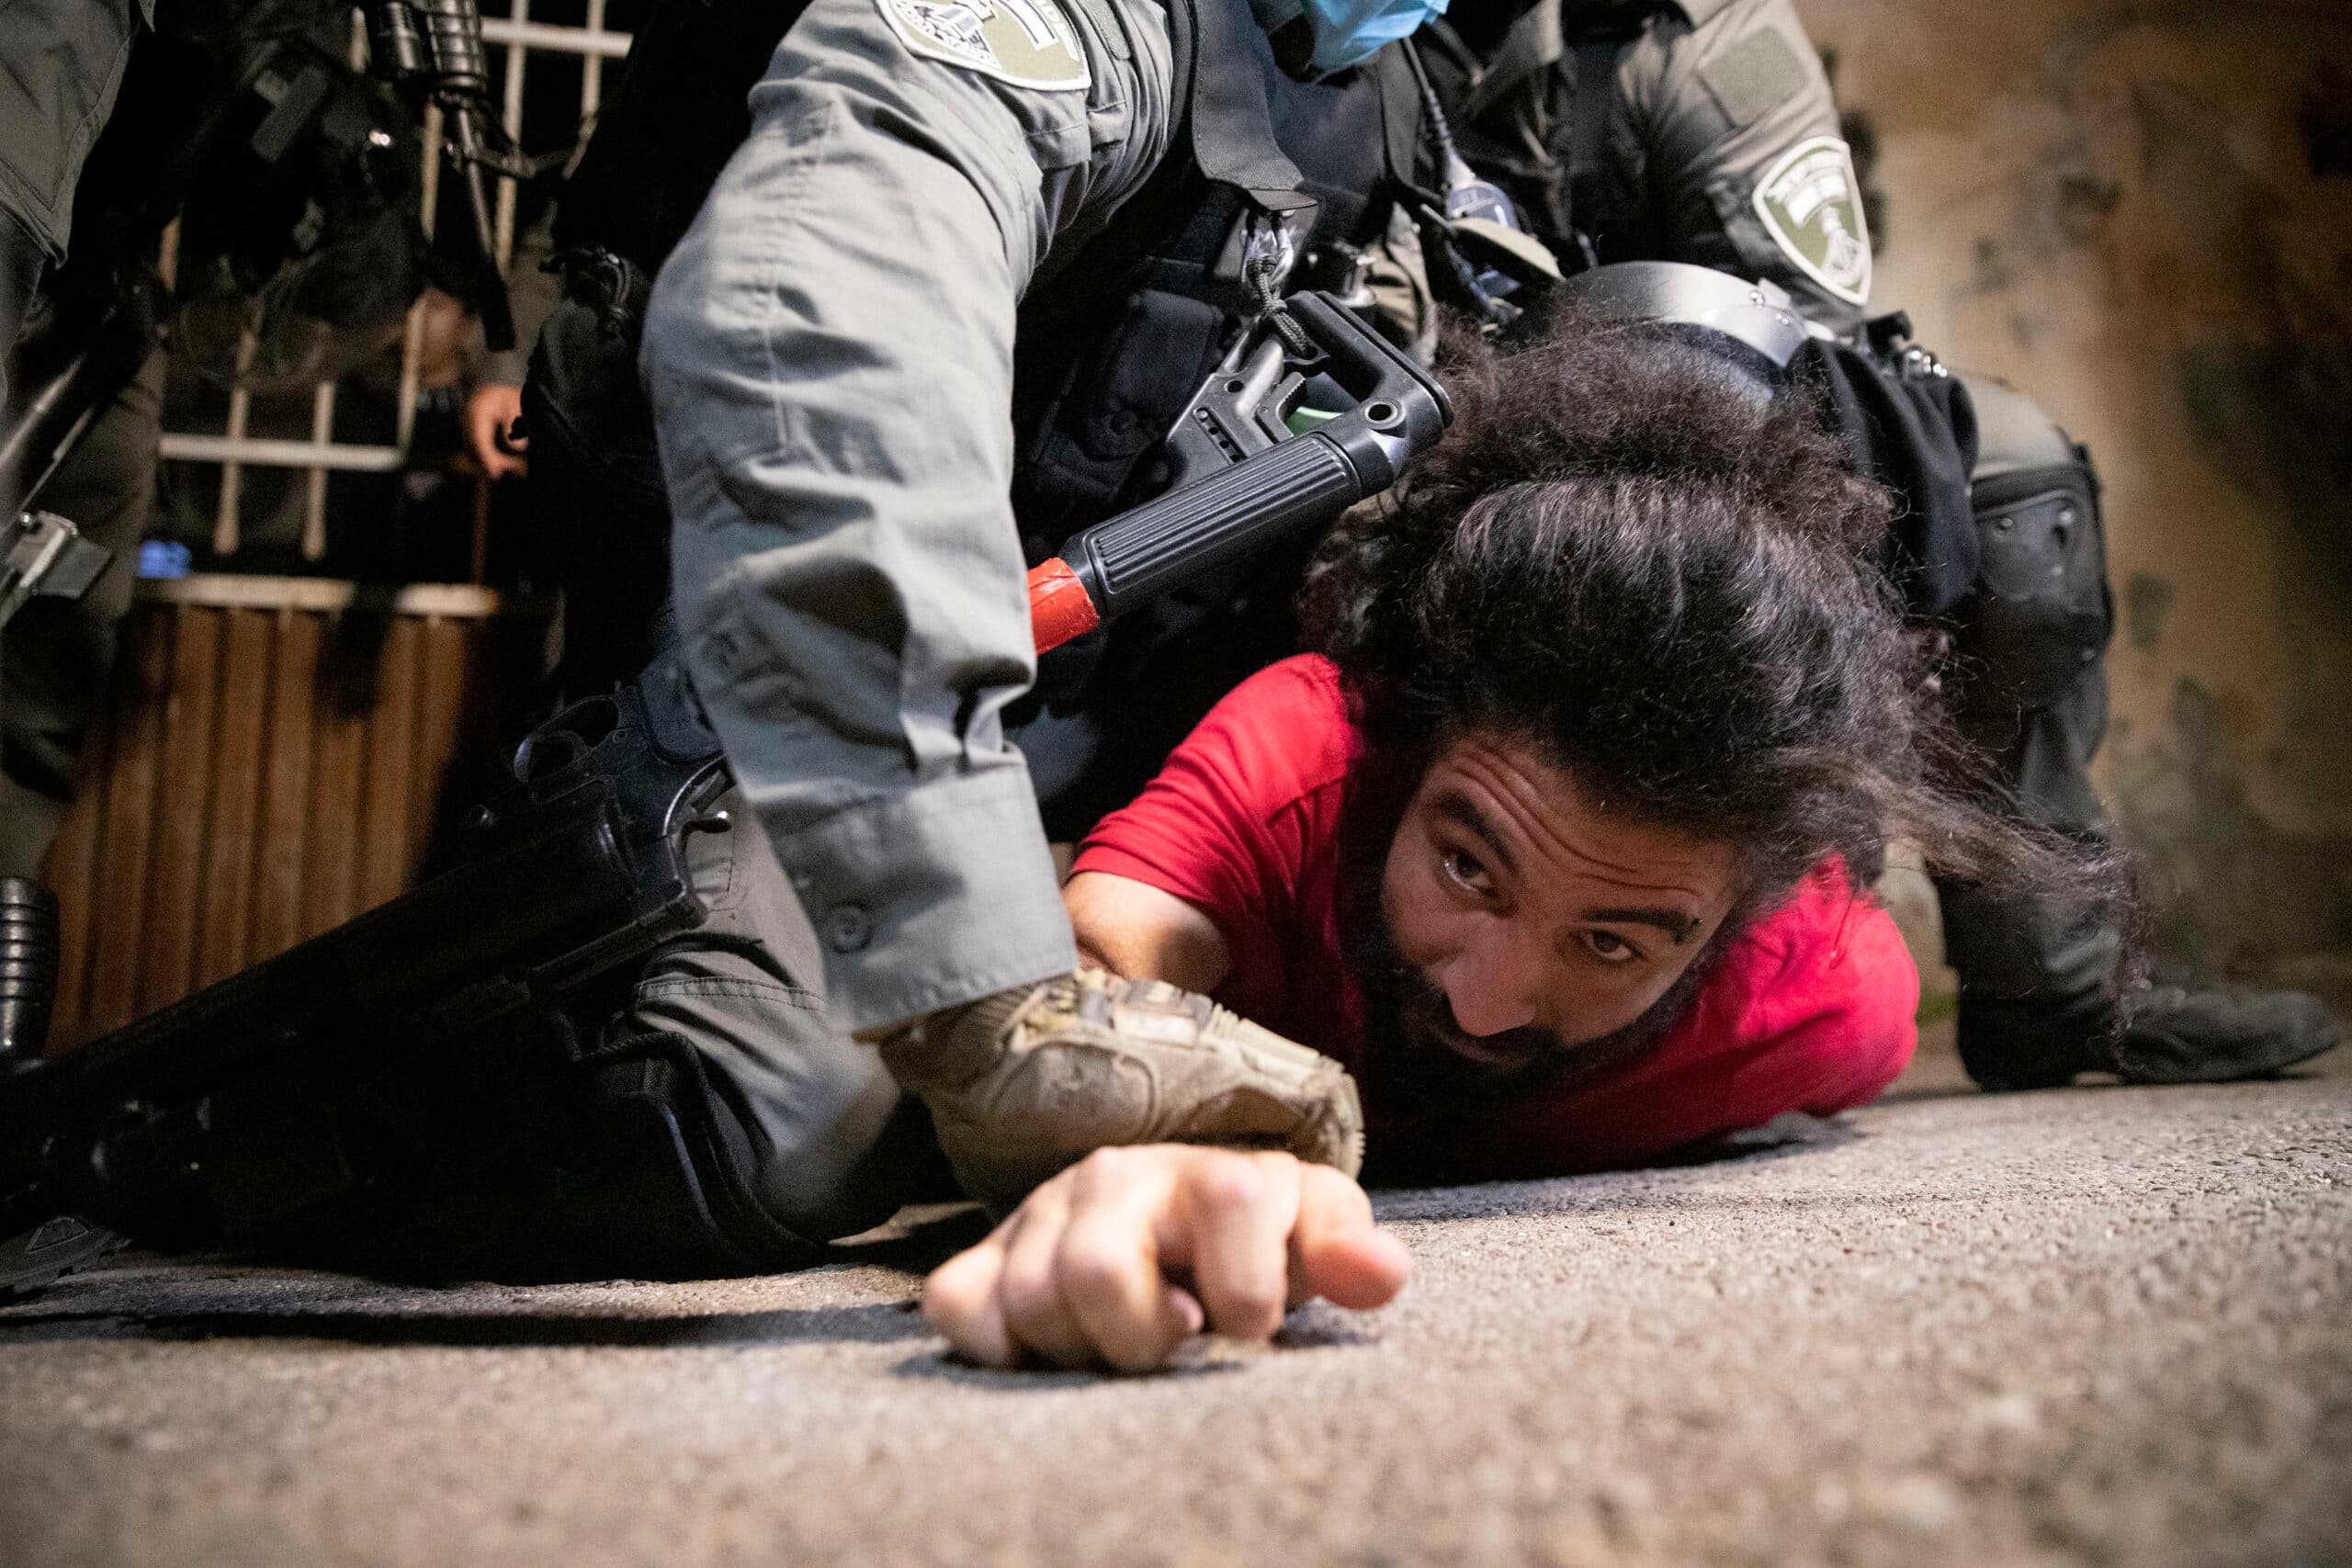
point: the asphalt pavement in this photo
(2101, 1326)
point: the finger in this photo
(1338, 1252)
(1029, 1295)
(1241, 1208)
(1109, 1261)
(485, 450)
(960, 1302)
(482, 442)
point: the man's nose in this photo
(1490, 985)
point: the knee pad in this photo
(2040, 612)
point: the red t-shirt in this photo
(1811, 1009)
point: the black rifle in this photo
(257, 1106)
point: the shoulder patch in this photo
(1812, 206)
(1028, 43)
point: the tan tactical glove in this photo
(1027, 1081)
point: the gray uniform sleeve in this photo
(1727, 136)
(829, 354)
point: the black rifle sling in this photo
(1529, 49)
(1588, 204)
(1229, 124)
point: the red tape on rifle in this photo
(1059, 607)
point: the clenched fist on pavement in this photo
(1121, 1258)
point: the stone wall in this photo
(2142, 214)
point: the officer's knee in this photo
(863, 1170)
(2037, 617)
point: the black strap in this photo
(1916, 435)
(1533, 45)
(1403, 121)
(1230, 125)
(1596, 97)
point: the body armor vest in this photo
(1116, 333)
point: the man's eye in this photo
(1465, 871)
(1610, 948)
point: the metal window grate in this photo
(515, 38)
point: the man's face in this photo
(1526, 919)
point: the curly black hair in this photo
(1630, 557)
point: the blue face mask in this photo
(1349, 33)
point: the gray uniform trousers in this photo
(827, 355)
(838, 1148)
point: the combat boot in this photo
(1024, 1082)
(2155, 1034)
(2040, 1005)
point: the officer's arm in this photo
(1731, 138)
(829, 353)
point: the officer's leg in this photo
(58, 653)
(702, 1117)
(825, 1142)
(727, 1122)
(2040, 994)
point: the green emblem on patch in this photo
(1029, 43)
(1812, 206)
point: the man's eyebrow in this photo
(1458, 808)
(1673, 923)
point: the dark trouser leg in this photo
(58, 653)
(705, 1117)
(763, 1127)
(833, 1147)
(2040, 995)
(2036, 976)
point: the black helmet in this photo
(1753, 325)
